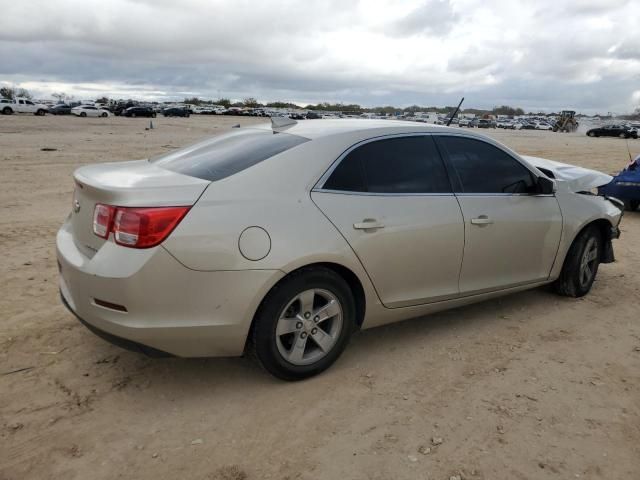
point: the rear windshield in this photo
(222, 156)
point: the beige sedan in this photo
(284, 239)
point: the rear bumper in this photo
(166, 307)
(117, 341)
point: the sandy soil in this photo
(531, 386)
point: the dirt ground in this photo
(530, 386)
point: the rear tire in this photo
(105, 114)
(623, 135)
(83, 114)
(581, 264)
(633, 205)
(303, 324)
(40, 112)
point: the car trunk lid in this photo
(126, 184)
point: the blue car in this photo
(625, 186)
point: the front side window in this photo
(222, 156)
(483, 168)
(393, 165)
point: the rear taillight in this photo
(136, 227)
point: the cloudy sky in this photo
(540, 55)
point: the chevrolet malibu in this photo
(283, 239)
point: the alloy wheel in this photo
(588, 261)
(309, 326)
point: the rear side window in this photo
(483, 168)
(223, 156)
(394, 165)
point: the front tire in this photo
(303, 324)
(83, 114)
(633, 205)
(105, 114)
(7, 111)
(581, 264)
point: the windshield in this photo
(222, 156)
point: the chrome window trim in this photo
(381, 194)
(323, 179)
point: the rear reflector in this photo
(136, 227)
(102, 217)
(110, 306)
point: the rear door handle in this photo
(481, 220)
(368, 224)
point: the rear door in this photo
(512, 233)
(392, 200)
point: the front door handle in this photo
(368, 224)
(481, 220)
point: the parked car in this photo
(543, 126)
(234, 243)
(60, 109)
(464, 122)
(89, 111)
(139, 112)
(234, 111)
(528, 125)
(486, 123)
(625, 185)
(9, 106)
(175, 112)
(621, 131)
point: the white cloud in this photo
(536, 54)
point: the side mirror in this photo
(546, 186)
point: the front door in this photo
(392, 201)
(512, 233)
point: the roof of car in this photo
(325, 127)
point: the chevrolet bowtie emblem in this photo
(76, 206)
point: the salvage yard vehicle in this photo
(622, 131)
(625, 185)
(139, 112)
(175, 112)
(60, 109)
(282, 240)
(9, 106)
(543, 126)
(89, 111)
(486, 123)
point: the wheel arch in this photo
(354, 283)
(604, 226)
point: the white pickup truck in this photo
(21, 105)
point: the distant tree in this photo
(337, 107)
(10, 92)
(507, 110)
(225, 102)
(193, 101)
(237, 104)
(251, 102)
(62, 97)
(6, 92)
(102, 100)
(280, 104)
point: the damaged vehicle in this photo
(625, 185)
(282, 240)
